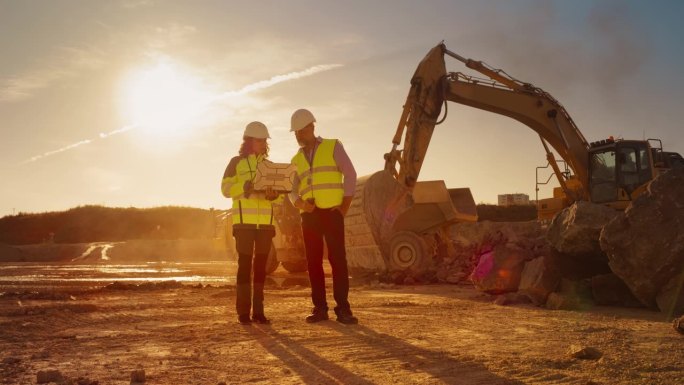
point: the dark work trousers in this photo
(257, 243)
(326, 224)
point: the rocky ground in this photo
(433, 334)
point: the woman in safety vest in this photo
(253, 226)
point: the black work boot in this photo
(243, 319)
(345, 316)
(260, 319)
(317, 314)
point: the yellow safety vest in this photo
(321, 180)
(255, 210)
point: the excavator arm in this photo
(431, 86)
(419, 117)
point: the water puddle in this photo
(20, 275)
(32, 275)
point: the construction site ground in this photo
(432, 334)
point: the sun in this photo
(163, 100)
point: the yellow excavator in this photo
(610, 172)
(396, 222)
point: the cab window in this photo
(634, 166)
(603, 183)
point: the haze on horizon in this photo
(142, 102)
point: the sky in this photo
(142, 102)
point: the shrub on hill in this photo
(106, 224)
(496, 213)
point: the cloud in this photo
(624, 51)
(22, 87)
(67, 62)
(254, 57)
(169, 35)
(607, 38)
(134, 4)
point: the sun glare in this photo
(164, 101)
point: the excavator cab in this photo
(618, 171)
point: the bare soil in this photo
(435, 334)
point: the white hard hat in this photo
(256, 130)
(300, 119)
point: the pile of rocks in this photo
(590, 254)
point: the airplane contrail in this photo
(279, 79)
(260, 85)
(117, 131)
(57, 151)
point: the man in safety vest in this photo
(323, 189)
(253, 226)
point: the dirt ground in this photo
(435, 334)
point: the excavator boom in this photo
(431, 86)
(534, 109)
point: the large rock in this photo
(645, 244)
(499, 270)
(670, 299)
(473, 235)
(574, 236)
(539, 278)
(576, 229)
(469, 241)
(571, 295)
(608, 289)
(559, 301)
(577, 267)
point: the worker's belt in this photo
(250, 226)
(243, 228)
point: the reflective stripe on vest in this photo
(321, 180)
(254, 210)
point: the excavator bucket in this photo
(435, 206)
(464, 204)
(385, 216)
(378, 200)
